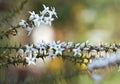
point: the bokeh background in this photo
(78, 21)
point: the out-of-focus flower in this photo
(84, 44)
(112, 58)
(77, 45)
(77, 51)
(96, 77)
(86, 50)
(93, 52)
(69, 45)
(63, 44)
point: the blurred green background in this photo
(78, 21)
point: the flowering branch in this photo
(35, 20)
(93, 55)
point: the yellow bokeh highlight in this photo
(55, 64)
(85, 60)
(83, 66)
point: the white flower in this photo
(102, 53)
(97, 45)
(82, 45)
(51, 53)
(93, 52)
(38, 20)
(29, 29)
(41, 45)
(23, 23)
(63, 44)
(86, 49)
(35, 53)
(30, 59)
(48, 20)
(87, 42)
(69, 45)
(32, 15)
(59, 50)
(77, 51)
(51, 13)
(77, 45)
(52, 45)
(112, 46)
(29, 49)
(46, 9)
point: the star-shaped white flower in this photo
(29, 29)
(59, 50)
(29, 49)
(32, 15)
(23, 23)
(51, 13)
(77, 51)
(38, 20)
(52, 45)
(46, 9)
(48, 20)
(30, 59)
(41, 45)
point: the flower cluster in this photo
(99, 55)
(35, 20)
